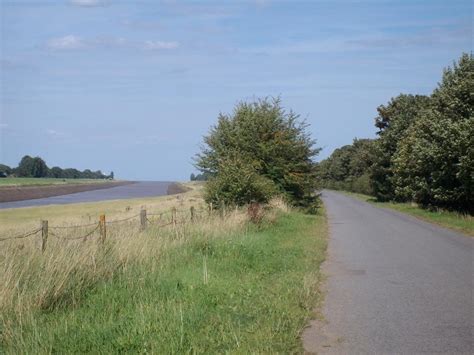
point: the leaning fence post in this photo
(103, 228)
(143, 219)
(44, 235)
(192, 213)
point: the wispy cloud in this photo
(72, 42)
(364, 42)
(89, 3)
(156, 45)
(66, 43)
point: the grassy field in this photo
(46, 181)
(21, 219)
(453, 220)
(214, 286)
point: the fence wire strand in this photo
(75, 238)
(21, 236)
(122, 220)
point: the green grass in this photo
(452, 220)
(45, 181)
(248, 291)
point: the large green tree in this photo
(393, 121)
(434, 164)
(25, 167)
(272, 146)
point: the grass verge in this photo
(219, 286)
(456, 221)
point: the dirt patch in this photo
(21, 193)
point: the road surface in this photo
(396, 285)
(135, 190)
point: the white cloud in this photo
(88, 3)
(66, 42)
(71, 42)
(156, 45)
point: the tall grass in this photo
(219, 284)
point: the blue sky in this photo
(132, 86)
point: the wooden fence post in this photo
(44, 235)
(143, 220)
(103, 228)
(192, 213)
(222, 209)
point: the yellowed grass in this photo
(71, 265)
(32, 280)
(18, 220)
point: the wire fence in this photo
(157, 220)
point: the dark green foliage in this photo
(425, 149)
(273, 149)
(5, 170)
(347, 167)
(238, 183)
(199, 177)
(393, 121)
(434, 164)
(56, 172)
(39, 168)
(36, 167)
(25, 168)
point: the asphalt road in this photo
(135, 190)
(396, 285)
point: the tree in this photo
(5, 170)
(348, 167)
(393, 122)
(39, 168)
(434, 164)
(25, 167)
(111, 176)
(56, 172)
(192, 177)
(264, 138)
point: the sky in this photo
(132, 86)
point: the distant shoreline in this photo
(21, 193)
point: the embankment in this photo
(21, 193)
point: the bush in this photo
(257, 151)
(238, 183)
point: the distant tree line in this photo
(37, 168)
(199, 177)
(424, 151)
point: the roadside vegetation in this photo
(221, 284)
(242, 276)
(257, 152)
(449, 219)
(425, 149)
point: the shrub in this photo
(272, 150)
(238, 183)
